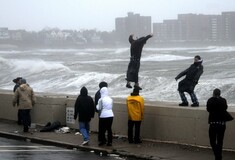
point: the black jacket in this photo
(192, 75)
(216, 106)
(137, 45)
(84, 106)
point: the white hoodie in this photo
(105, 104)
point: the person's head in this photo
(23, 81)
(197, 58)
(17, 80)
(216, 92)
(104, 91)
(83, 91)
(103, 84)
(135, 91)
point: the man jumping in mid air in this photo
(134, 64)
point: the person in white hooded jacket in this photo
(105, 106)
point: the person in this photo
(17, 84)
(25, 95)
(97, 97)
(105, 106)
(132, 74)
(135, 108)
(216, 106)
(192, 75)
(84, 108)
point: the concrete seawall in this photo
(162, 121)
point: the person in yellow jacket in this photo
(135, 108)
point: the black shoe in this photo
(109, 144)
(131, 141)
(128, 85)
(195, 105)
(137, 87)
(183, 104)
(137, 142)
(26, 129)
(101, 143)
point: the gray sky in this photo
(98, 14)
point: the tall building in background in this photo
(193, 27)
(132, 24)
(228, 26)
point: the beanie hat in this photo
(103, 84)
(23, 81)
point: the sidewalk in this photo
(146, 150)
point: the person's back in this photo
(84, 106)
(135, 106)
(25, 95)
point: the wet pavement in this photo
(146, 150)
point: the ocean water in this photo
(65, 71)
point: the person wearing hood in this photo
(135, 108)
(97, 97)
(132, 74)
(105, 107)
(192, 75)
(17, 84)
(25, 95)
(84, 108)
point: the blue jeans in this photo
(84, 128)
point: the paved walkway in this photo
(146, 150)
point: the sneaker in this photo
(137, 87)
(183, 104)
(85, 142)
(128, 85)
(195, 105)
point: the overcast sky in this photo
(98, 14)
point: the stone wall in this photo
(162, 121)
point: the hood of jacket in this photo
(104, 92)
(23, 87)
(83, 91)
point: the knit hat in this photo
(23, 81)
(103, 84)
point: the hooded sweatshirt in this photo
(26, 97)
(84, 106)
(105, 104)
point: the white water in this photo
(67, 70)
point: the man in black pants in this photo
(192, 75)
(132, 74)
(217, 106)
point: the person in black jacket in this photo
(132, 74)
(192, 75)
(17, 84)
(84, 108)
(216, 106)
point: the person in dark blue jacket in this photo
(132, 74)
(192, 75)
(84, 108)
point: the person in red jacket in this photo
(135, 108)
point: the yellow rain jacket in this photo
(135, 107)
